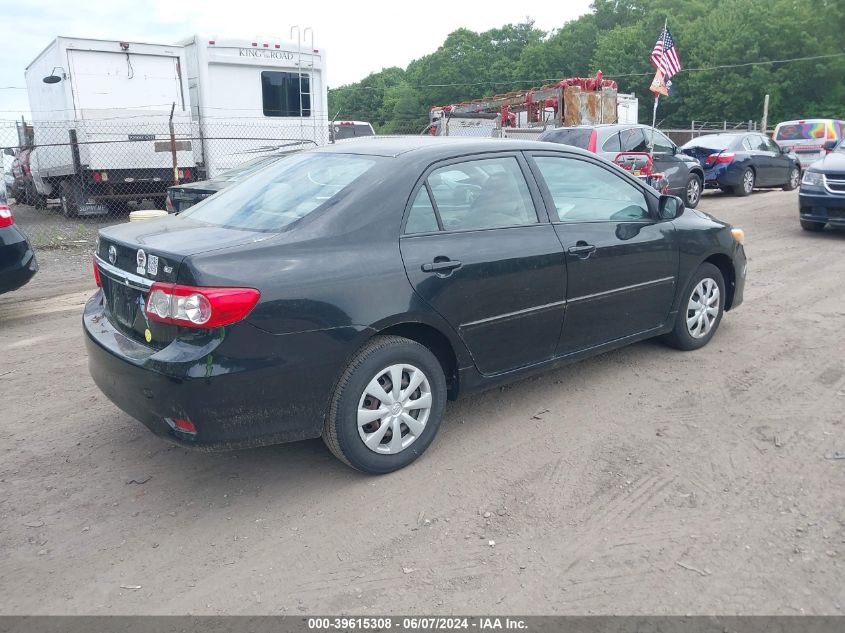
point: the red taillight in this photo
(97, 176)
(186, 426)
(168, 204)
(724, 157)
(187, 173)
(6, 217)
(199, 307)
(97, 274)
(591, 146)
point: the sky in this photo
(359, 37)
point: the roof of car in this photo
(445, 145)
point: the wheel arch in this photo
(436, 341)
(725, 265)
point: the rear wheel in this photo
(794, 179)
(387, 406)
(701, 309)
(693, 193)
(68, 199)
(746, 184)
(809, 225)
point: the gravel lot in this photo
(644, 481)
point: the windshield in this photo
(805, 131)
(283, 193)
(577, 137)
(714, 142)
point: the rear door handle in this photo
(582, 250)
(441, 265)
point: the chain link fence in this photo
(66, 179)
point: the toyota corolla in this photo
(350, 291)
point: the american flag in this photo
(664, 56)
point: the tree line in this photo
(616, 37)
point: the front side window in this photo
(283, 192)
(585, 192)
(662, 144)
(482, 194)
(285, 94)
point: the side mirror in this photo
(829, 146)
(785, 150)
(670, 207)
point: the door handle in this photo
(441, 265)
(582, 250)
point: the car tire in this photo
(692, 195)
(794, 179)
(367, 385)
(68, 200)
(695, 323)
(746, 183)
(809, 225)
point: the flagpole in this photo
(656, 99)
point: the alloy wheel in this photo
(394, 409)
(748, 181)
(693, 192)
(703, 308)
(794, 175)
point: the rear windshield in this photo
(578, 137)
(283, 193)
(805, 131)
(716, 141)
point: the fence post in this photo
(77, 162)
(765, 123)
(173, 146)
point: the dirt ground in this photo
(644, 481)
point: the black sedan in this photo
(822, 194)
(742, 161)
(349, 291)
(17, 259)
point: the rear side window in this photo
(482, 194)
(612, 144)
(584, 192)
(422, 218)
(285, 94)
(284, 192)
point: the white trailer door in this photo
(111, 80)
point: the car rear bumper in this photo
(17, 259)
(243, 387)
(822, 207)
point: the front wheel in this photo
(746, 185)
(693, 193)
(387, 406)
(794, 179)
(701, 309)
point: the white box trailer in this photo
(254, 96)
(100, 113)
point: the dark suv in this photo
(683, 172)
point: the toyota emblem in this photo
(112, 254)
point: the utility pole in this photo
(765, 121)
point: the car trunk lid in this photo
(131, 257)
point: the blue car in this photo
(740, 162)
(822, 195)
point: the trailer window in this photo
(285, 94)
